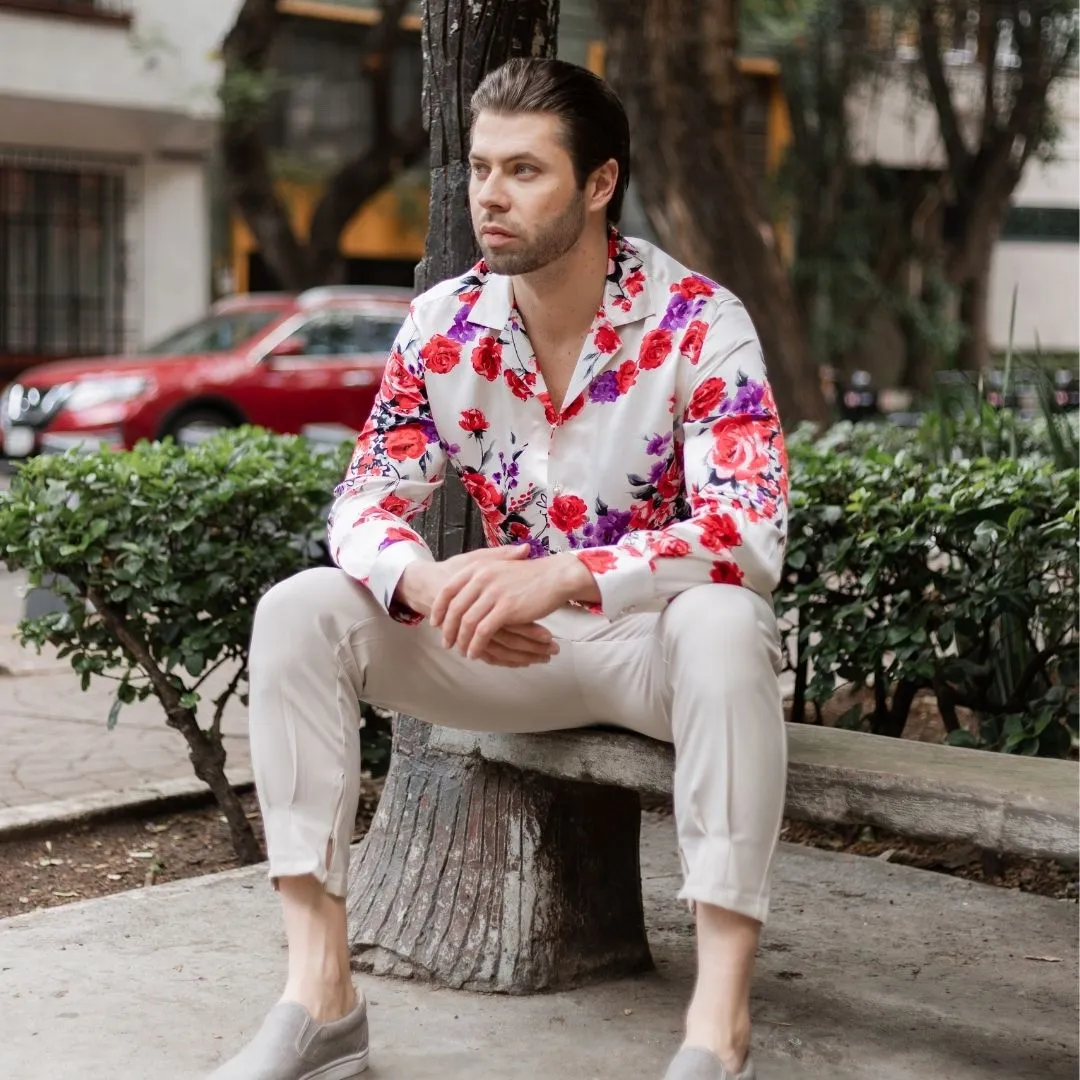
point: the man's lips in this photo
(495, 231)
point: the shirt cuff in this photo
(624, 578)
(386, 573)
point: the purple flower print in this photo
(658, 470)
(461, 329)
(604, 388)
(609, 528)
(658, 445)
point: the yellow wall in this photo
(380, 230)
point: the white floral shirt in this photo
(664, 470)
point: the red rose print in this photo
(469, 298)
(623, 303)
(405, 442)
(575, 406)
(473, 420)
(692, 340)
(705, 398)
(486, 495)
(596, 560)
(670, 483)
(605, 339)
(693, 286)
(634, 283)
(396, 533)
(740, 446)
(394, 504)
(519, 387)
(441, 354)
(674, 547)
(726, 573)
(626, 376)
(550, 415)
(487, 358)
(567, 513)
(519, 530)
(401, 386)
(655, 347)
(719, 532)
(640, 516)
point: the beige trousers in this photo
(701, 674)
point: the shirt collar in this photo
(629, 293)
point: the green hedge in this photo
(961, 577)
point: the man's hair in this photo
(593, 118)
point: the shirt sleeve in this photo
(396, 468)
(735, 469)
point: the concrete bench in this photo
(1000, 802)
(510, 863)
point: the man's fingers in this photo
(460, 600)
(533, 631)
(477, 625)
(501, 656)
(446, 596)
(512, 638)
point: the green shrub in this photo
(161, 555)
(961, 577)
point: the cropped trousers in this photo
(702, 674)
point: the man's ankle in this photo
(325, 1001)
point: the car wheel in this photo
(197, 425)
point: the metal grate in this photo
(61, 260)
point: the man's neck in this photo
(561, 300)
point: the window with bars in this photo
(61, 261)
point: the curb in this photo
(21, 822)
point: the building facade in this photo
(107, 124)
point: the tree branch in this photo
(246, 52)
(956, 150)
(223, 699)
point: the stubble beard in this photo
(551, 244)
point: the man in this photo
(608, 411)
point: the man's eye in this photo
(524, 170)
(479, 170)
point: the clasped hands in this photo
(488, 602)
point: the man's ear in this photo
(601, 185)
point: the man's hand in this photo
(512, 645)
(481, 602)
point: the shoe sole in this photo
(346, 1069)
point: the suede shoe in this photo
(290, 1045)
(695, 1063)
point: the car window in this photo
(222, 332)
(347, 333)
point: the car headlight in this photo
(89, 393)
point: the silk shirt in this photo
(664, 469)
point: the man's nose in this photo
(492, 193)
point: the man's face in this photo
(527, 208)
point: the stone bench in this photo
(510, 863)
(1000, 802)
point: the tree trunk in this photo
(671, 61)
(474, 875)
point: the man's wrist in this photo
(575, 580)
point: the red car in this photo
(287, 363)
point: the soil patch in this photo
(92, 860)
(98, 859)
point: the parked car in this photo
(287, 363)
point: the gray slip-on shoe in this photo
(292, 1046)
(695, 1063)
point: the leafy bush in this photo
(959, 577)
(161, 555)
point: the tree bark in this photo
(300, 263)
(474, 875)
(672, 62)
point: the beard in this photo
(549, 244)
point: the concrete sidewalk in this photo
(54, 735)
(868, 972)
